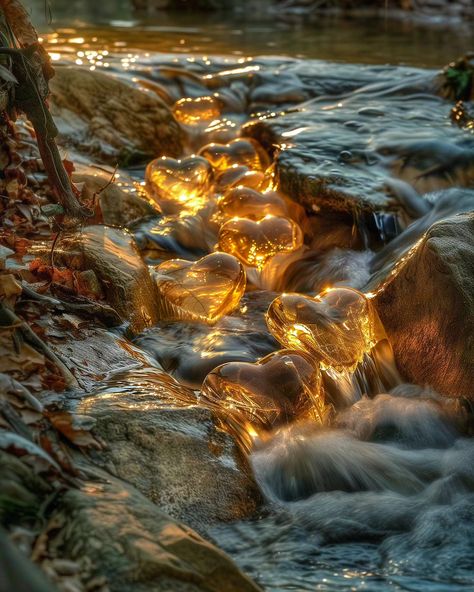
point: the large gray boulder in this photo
(102, 115)
(427, 308)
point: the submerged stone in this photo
(427, 308)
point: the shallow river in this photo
(384, 500)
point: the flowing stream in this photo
(382, 496)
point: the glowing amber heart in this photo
(178, 185)
(196, 111)
(256, 242)
(337, 327)
(249, 203)
(246, 152)
(239, 176)
(202, 291)
(278, 389)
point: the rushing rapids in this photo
(266, 312)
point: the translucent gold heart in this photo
(239, 176)
(277, 389)
(246, 152)
(178, 185)
(255, 242)
(195, 111)
(205, 290)
(246, 202)
(337, 327)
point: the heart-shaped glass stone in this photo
(278, 389)
(239, 176)
(246, 202)
(336, 327)
(195, 111)
(178, 185)
(254, 242)
(204, 291)
(246, 152)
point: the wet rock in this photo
(342, 153)
(427, 309)
(99, 114)
(443, 204)
(113, 256)
(119, 206)
(169, 449)
(158, 440)
(93, 353)
(189, 351)
(138, 548)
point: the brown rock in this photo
(106, 116)
(113, 256)
(428, 309)
(118, 207)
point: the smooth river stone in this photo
(280, 388)
(205, 290)
(178, 185)
(254, 243)
(427, 308)
(105, 116)
(336, 327)
(246, 152)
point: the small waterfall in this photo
(396, 442)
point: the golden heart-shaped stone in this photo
(204, 291)
(336, 327)
(280, 388)
(254, 242)
(178, 185)
(246, 202)
(195, 111)
(247, 152)
(239, 176)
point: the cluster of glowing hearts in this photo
(278, 389)
(195, 111)
(249, 203)
(204, 291)
(179, 184)
(254, 243)
(338, 327)
(239, 152)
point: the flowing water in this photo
(382, 496)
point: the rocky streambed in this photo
(375, 493)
